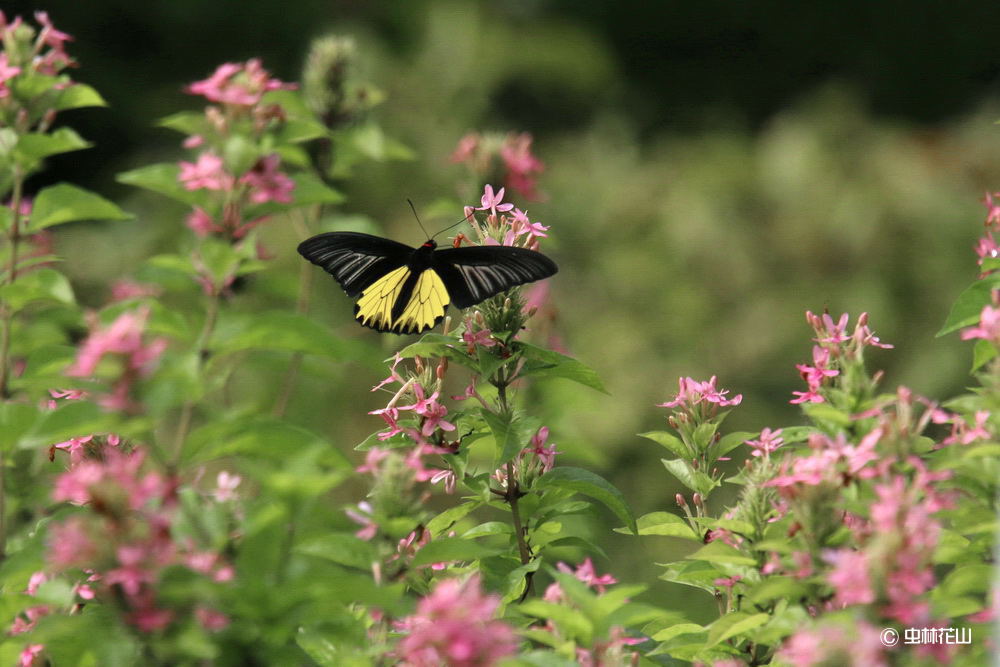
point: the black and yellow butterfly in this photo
(400, 289)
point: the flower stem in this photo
(302, 307)
(187, 411)
(513, 489)
(7, 323)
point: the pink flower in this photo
(448, 477)
(849, 577)
(481, 338)
(493, 202)
(768, 442)
(70, 544)
(988, 328)
(992, 209)
(238, 84)
(586, 573)
(454, 625)
(267, 183)
(225, 487)
(28, 655)
(363, 517)
(521, 164)
(545, 453)
(466, 148)
(827, 331)
(122, 290)
(211, 620)
(201, 223)
(49, 35)
(124, 337)
(208, 173)
(373, 458)
(987, 248)
(692, 393)
(6, 74)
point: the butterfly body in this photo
(400, 289)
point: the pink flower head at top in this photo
(700, 400)
(238, 84)
(454, 625)
(493, 202)
(521, 164)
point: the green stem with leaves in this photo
(306, 273)
(501, 380)
(201, 352)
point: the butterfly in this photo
(406, 290)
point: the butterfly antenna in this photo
(465, 219)
(414, 209)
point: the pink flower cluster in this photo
(239, 88)
(43, 52)
(124, 339)
(238, 84)
(124, 541)
(858, 646)
(512, 228)
(613, 650)
(699, 401)
(836, 348)
(478, 153)
(454, 625)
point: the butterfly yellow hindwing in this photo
(425, 305)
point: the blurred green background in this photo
(713, 170)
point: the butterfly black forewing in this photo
(475, 273)
(355, 260)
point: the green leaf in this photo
(700, 574)
(824, 412)
(670, 441)
(969, 305)
(340, 548)
(511, 434)
(734, 624)
(973, 578)
(69, 420)
(662, 523)
(16, 419)
(776, 588)
(676, 630)
(185, 122)
(731, 441)
(590, 484)
(721, 553)
(570, 622)
(982, 352)
(281, 330)
(451, 549)
(41, 285)
(548, 363)
(162, 178)
(34, 147)
(77, 96)
(693, 479)
(430, 345)
(63, 202)
(446, 519)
